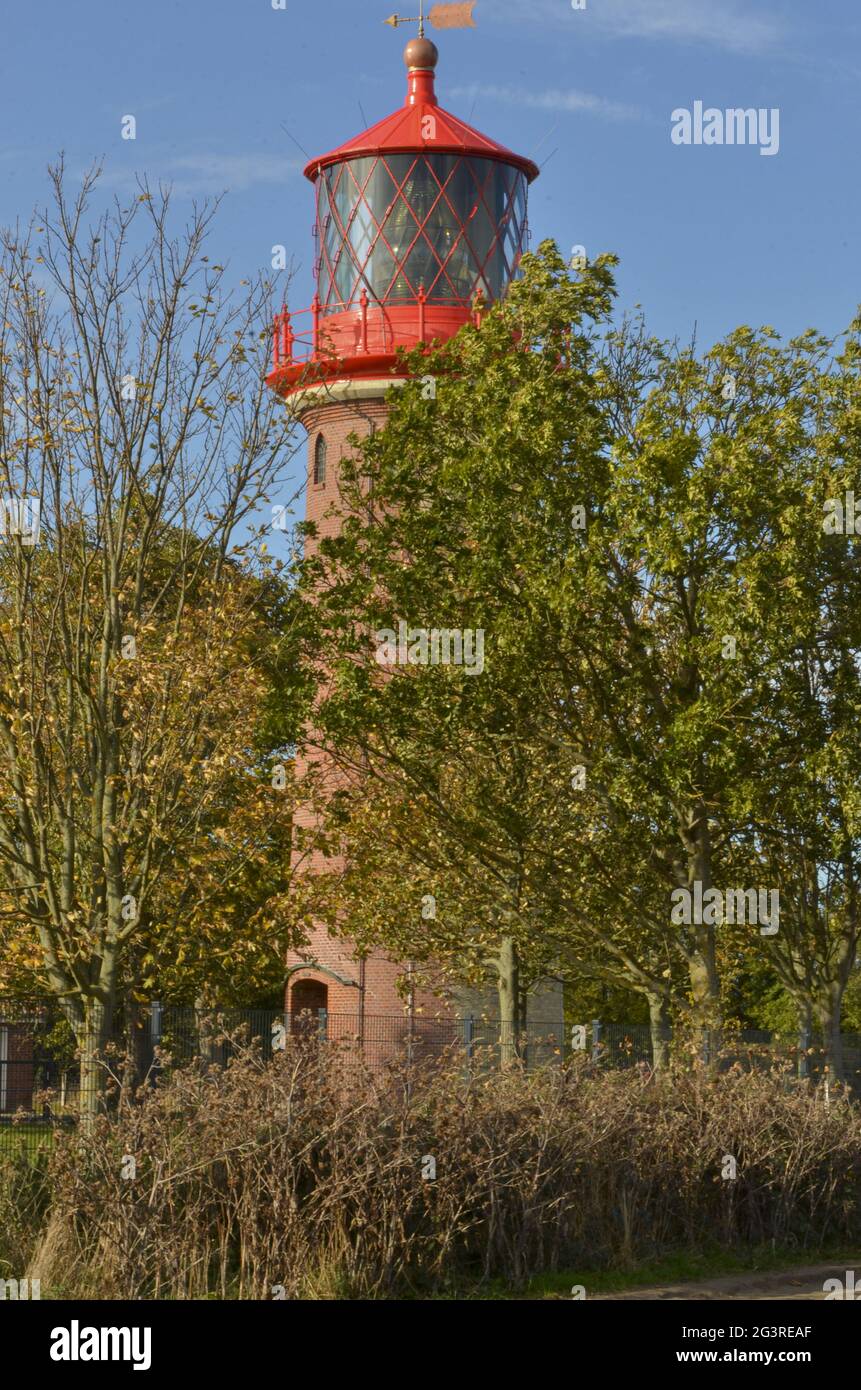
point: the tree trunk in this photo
(203, 1029)
(701, 951)
(90, 1036)
(829, 1011)
(508, 989)
(705, 992)
(659, 1027)
(805, 1035)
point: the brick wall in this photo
(18, 1072)
(376, 981)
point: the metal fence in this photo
(42, 1073)
(621, 1045)
(44, 1067)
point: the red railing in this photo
(363, 328)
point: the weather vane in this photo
(440, 16)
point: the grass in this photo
(31, 1136)
(682, 1266)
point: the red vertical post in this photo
(363, 302)
(275, 358)
(423, 299)
(315, 309)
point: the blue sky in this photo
(712, 236)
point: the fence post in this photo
(469, 1037)
(803, 1059)
(596, 1040)
(323, 1024)
(155, 1027)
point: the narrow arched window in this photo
(320, 460)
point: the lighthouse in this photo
(421, 224)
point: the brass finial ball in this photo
(421, 53)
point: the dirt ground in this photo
(804, 1282)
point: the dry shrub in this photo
(24, 1199)
(304, 1175)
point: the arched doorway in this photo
(307, 998)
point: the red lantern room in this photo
(421, 220)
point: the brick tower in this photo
(421, 220)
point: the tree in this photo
(488, 806)
(805, 821)
(137, 432)
(625, 522)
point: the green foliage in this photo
(693, 647)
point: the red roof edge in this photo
(405, 131)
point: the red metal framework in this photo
(450, 223)
(420, 221)
(362, 342)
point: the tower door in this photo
(307, 998)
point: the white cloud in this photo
(201, 173)
(727, 24)
(723, 22)
(210, 173)
(552, 99)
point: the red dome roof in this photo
(404, 132)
